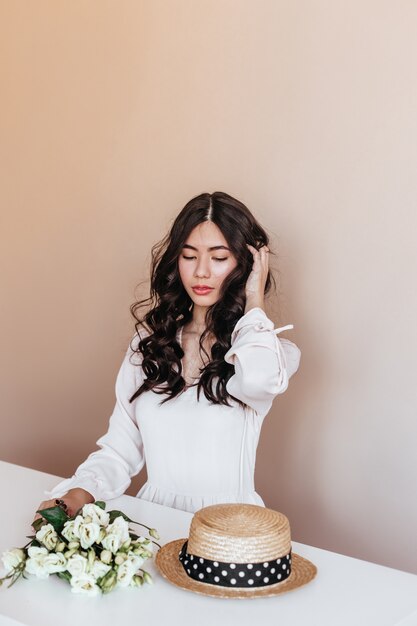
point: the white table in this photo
(346, 591)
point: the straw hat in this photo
(235, 551)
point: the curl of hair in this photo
(169, 306)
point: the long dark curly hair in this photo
(169, 306)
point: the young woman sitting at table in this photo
(200, 373)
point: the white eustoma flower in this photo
(48, 536)
(127, 570)
(55, 562)
(106, 556)
(125, 573)
(35, 551)
(77, 523)
(84, 583)
(98, 516)
(120, 527)
(71, 529)
(137, 561)
(111, 542)
(89, 533)
(35, 564)
(77, 565)
(117, 534)
(12, 558)
(154, 533)
(99, 569)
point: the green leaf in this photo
(38, 523)
(100, 504)
(64, 575)
(133, 536)
(56, 516)
(114, 514)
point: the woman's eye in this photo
(190, 258)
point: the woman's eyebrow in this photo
(187, 245)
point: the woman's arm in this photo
(107, 473)
(263, 363)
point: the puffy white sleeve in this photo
(263, 363)
(107, 472)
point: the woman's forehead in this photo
(207, 236)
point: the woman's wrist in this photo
(81, 494)
(253, 302)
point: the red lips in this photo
(202, 289)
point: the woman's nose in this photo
(202, 269)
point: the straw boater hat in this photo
(235, 551)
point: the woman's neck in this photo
(198, 322)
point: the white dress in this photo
(196, 453)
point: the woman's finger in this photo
(261, 249)
(46, 504)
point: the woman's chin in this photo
(204, 301)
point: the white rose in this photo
(89, 533)
(55, 562)
(99, 569)
(71, 529)
(47, 535)
(35, 564)
(98, 516)
(12, 558)
(77, 565)
(127, 570)
(84, 583)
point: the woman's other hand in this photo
(74, 499)
(255, 284)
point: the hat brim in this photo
(168, 563)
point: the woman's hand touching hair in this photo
(255, 284)
(170, 305)
(74, 499)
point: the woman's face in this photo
(204, 263)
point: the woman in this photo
(199, 375)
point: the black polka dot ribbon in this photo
(235, 574)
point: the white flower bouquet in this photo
(94, 551)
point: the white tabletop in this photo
(346, 591)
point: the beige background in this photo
(113, 115)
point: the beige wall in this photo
(113, 115)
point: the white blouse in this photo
(196, 453)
